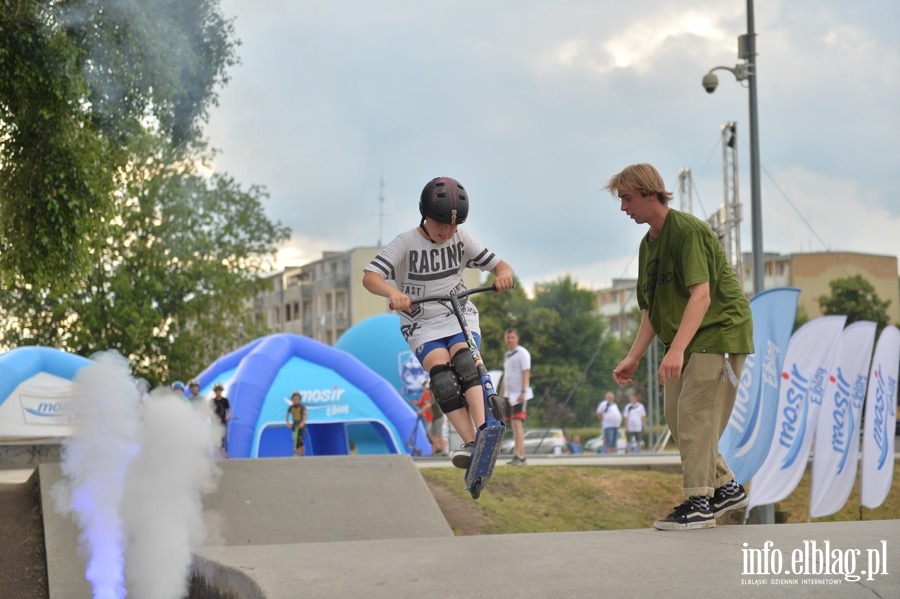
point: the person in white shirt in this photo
(635, 424)
(429, 260)
(611, 417)
(515, 388)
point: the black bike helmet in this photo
(445, 201)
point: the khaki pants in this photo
(697, 407)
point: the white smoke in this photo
(136, 471)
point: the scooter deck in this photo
(484, 456)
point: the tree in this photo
(79, 80)
(855, 297)
(174, 271)
(572, 356)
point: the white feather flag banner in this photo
(881, 418)
(836, 445)
(808, 360)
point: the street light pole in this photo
(755, 199)
(762, 514)
(741, 72)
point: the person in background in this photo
(434, 419)
(222, 408)
(610, 416)
(194, 391)
(575, 446)
(515, 389)
(635, 424)
(295, 417)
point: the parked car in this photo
(593, 444)
(539, 440)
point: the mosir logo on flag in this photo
(809, 357)
(837, 430)
(748, 436)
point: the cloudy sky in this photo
(532, 105)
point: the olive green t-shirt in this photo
(687, 252)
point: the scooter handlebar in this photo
(446, 298)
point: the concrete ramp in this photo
(616, 563)
(328, 498)
(279, 501)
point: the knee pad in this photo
(465, 369)
(445, 387)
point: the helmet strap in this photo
(427, 234)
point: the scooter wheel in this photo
(495, 408)
(476, 489)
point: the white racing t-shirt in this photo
(422, 268)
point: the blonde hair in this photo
(644, 178)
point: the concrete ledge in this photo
(212, 580)
(28, 455)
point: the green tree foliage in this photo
(79, 79)
(572, 355)
(174, 270)
(855, 297)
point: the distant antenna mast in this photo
(380, 211)
(686, 190)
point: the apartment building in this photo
(812, 273)
(618, 306)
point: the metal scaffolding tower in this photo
(726, 221)
(686, 190)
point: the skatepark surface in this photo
(368, 526)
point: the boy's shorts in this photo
(444, 343)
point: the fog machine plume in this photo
(135, 471)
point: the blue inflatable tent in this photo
(350, 407)
(37, 393)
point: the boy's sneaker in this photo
(725, 500)
(687, 516)
(462, 456)
(517, 461)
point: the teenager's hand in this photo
(671, 366)
(624, 371)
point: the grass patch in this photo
(539, 498)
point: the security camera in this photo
(710, 82)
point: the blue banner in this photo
(748, 435)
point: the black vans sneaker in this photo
(462, 456)
(728, 497)
(687, 516)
